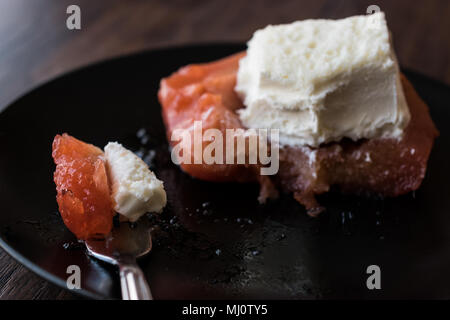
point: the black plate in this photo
(215, 240)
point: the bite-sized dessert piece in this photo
(82, 187)
(91, 185)
(135, 189)
(333, 89)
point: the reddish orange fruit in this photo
(82, 186)
(205, 93)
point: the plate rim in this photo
(95, 63)
(44, 274)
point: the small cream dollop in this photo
(135, 189)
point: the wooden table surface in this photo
(35, 46)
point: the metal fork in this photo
(126, 244)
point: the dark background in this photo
(35, 46)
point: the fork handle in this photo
(133, 283)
